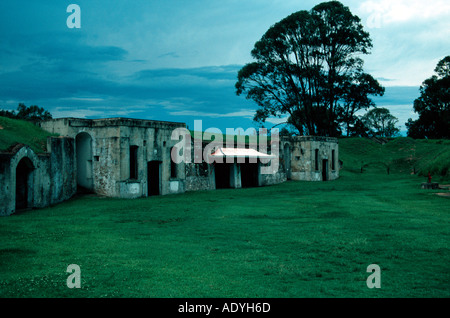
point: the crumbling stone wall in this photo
(50, 176)
(112, 142)
(300, 158)
(306, 165)
(120, 157)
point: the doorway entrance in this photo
(154, 177)
(222, 174)
(325, 170)
(85, 181)
(249, 174)
(24, 184)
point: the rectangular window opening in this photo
(133, 162)
(333, 165)
(317, 159)
(173, 166)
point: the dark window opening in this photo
(133, 162)
(155, 140)
(96, 158)
(333, 159)
(173, 170)
(317, 159)
(173, 165)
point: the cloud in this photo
(178, 60)
(409, 38)
(277, 120)
(84, 99)
(216, 73)
(79, 52)
(242, 114)
(93, 112)
(386, 12)
(169, 54)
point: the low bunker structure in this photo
(131, 158)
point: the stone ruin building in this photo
(131, 158)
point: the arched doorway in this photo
(287, 161)
(24, 184)
(85, 180)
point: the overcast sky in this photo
(177, 60)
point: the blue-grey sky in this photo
(177, 60)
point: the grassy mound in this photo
(13, 131)
(400, 155)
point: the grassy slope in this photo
(401, 155)
(14, 131)
(296, 239)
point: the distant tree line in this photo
(30, 113)
(377, 122)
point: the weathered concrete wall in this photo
(62, 165)
(199, 177)
(130, 158)
(129, 155)
(50, 176)
(278, 176)
(112, 140)
(304, 163)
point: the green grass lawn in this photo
(296, 239)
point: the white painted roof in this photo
(241, 153)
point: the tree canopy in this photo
(307, 68)
(31, 113)
(433, 105)
(380, 123)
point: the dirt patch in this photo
(447, 194)
(1, 127)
